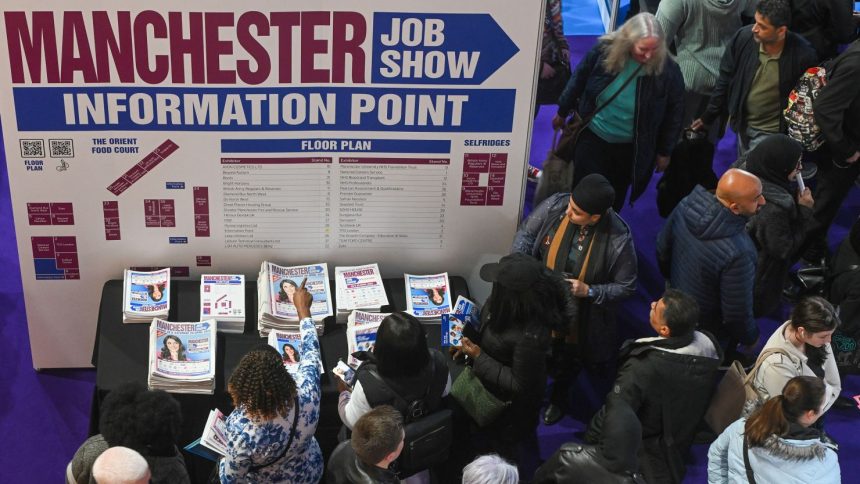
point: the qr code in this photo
(32, 148)
(61, 148)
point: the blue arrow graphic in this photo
(421, 48)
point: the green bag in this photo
(476, 400)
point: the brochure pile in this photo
(358, 288)
(428, 297)
(145, 295)
(275, 287)
(222, 297)
(182, 356)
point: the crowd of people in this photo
(726, 255)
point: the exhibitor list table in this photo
(392, 202)
(276, 203)
(376, 202)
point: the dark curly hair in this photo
(261, 384)
(148, 421)
(547, 302)
(777, 12)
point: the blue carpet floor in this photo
(44, 415)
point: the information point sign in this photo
(187, 135)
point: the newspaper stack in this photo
(361, 330)
(145, 295)
(428, 297)
(275, 288)
(222, 297)
(289, 345)
(358, 288)
(182, 356)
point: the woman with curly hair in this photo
(270, 434)
(780, 441)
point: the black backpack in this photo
(427, 424)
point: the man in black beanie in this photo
(579, 235)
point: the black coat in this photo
(512, 366)
(657, 115)
(668, 382)
(778, 231)
(824, 23)
(837, 106)
(845, 288)
(737, 70)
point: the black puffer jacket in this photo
(705, 251)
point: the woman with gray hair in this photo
(490, 469)
(632, 93)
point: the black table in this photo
(120, 354)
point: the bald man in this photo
(704, 250)
(120, 465)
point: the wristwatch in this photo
(590, 294)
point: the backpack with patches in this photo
(799, 116)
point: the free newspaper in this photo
(222, 297)
(146, 295)
(182, 356)
(428, 296)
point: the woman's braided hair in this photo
(262, 385)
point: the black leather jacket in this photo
(575, 463)
(345, 468)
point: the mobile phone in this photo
(345, 372)
(800, 184)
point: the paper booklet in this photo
(465, 312)
(428, 296)
(222, 297)
(289, 346)
(361, 330)
(212, 444)
(359, 287)
(146, 295)
(275, 287)
(182, 356)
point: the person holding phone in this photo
(779, 228)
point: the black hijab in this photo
(773, 159)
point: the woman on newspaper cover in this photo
(156, 292)
(173, 349)
(270, 434)
(288, 289)
(290, 354)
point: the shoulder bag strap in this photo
(590, 117)
(750, 474)
(289, 442)
(763, 356)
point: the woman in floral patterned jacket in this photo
(270, 434)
